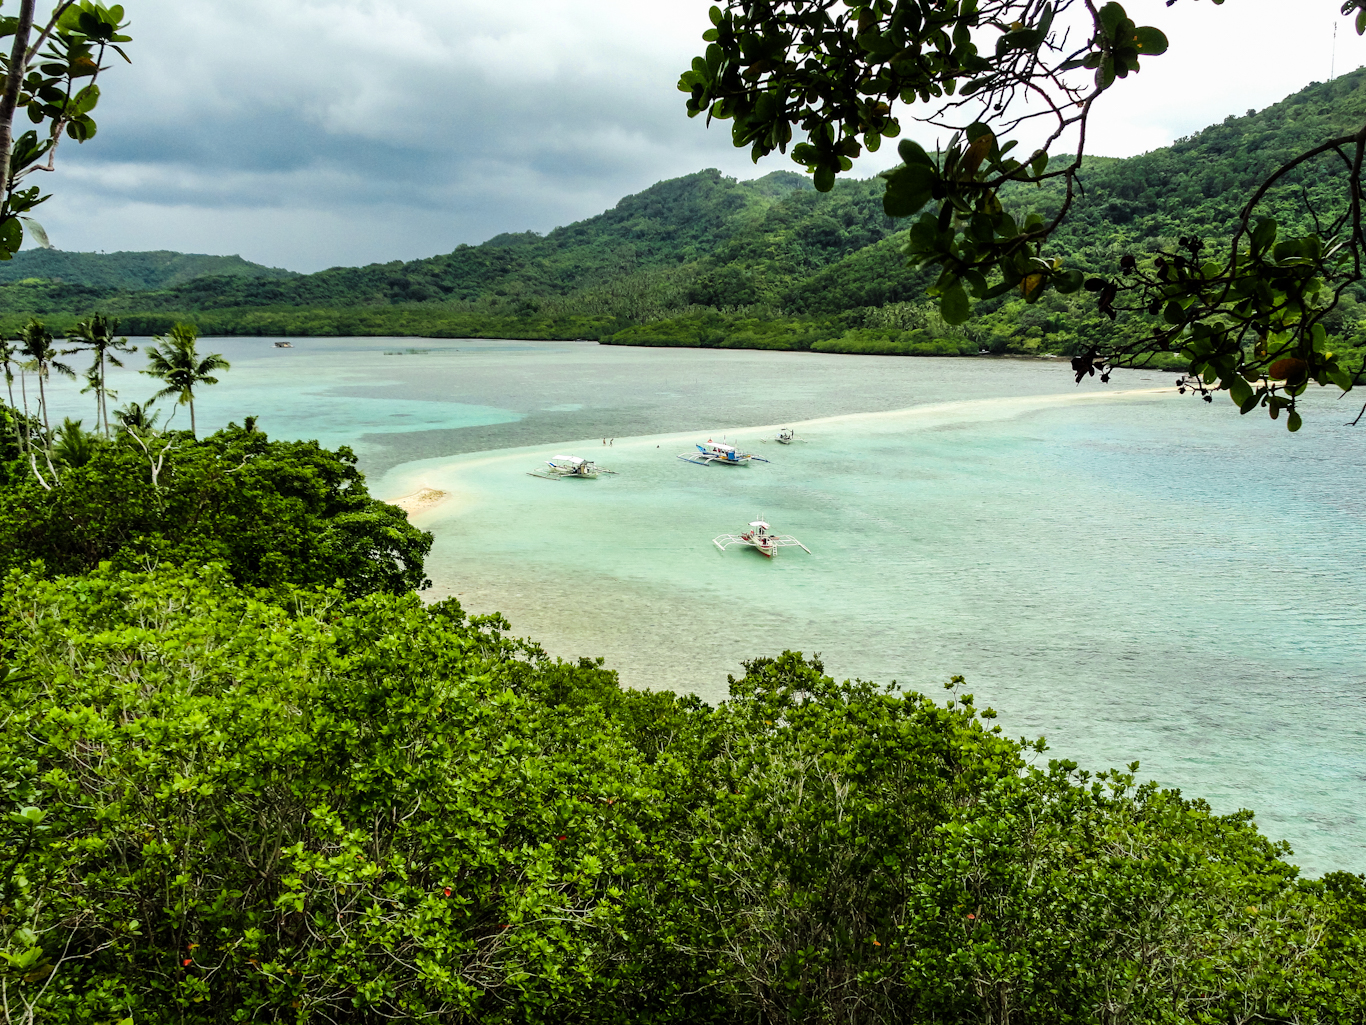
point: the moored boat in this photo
(761, 539)
(719, 452)
(561, 467)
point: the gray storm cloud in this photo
(311, 134)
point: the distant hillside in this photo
(672, 223)
(133, 272)
(708, 260)
(666, 247)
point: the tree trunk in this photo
(18, 430)
(102, 414)
(192, 432)
(42, 404)
(10, 98)
(23, 392)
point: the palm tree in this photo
(74, 446)
(38, 346)
(7, 356)
(23, 394)
(139, 418)
(92, 383)
(97, 335)
(180, 366)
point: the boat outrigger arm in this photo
(759, 538)
(718, 452)
(772, 541)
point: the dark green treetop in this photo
(272, 512)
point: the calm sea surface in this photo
(1133, 574)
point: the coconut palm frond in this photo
(177, 363)
(138, 416)
(74, 446)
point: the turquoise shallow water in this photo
(1133, 574)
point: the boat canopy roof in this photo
(571, 460)
(759, 523)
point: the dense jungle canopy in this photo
(250, 776)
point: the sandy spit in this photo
(419, 501)
(426, 499)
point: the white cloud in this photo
(327, 132)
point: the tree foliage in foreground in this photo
(1248, 312)
(273, 512)
(317, 808)
(50, 73)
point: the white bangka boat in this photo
(560, 467)
(719, 452)
(785, 436)
(759, 538)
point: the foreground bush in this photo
(273, 512)
(329, 809)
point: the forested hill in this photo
(687, 261)
(133, 272)
(679, 223)
(1198, 185)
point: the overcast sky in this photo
(315, 133)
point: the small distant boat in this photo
(759, 538)
(560, 467)
(785, 436)
(284, 345)
(719, 452)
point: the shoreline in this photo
(423, 498)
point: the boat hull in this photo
(760, 544)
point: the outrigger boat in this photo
(785, 436)
(560, 467)
(719, 452)
(758, 538)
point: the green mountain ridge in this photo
(705, 259)
(129, 271)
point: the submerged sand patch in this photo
(422, 500)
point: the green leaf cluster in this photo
(1118, 46)
(303, 806)
(832, 71)
(274, 513)
(57, 92)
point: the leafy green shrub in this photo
(346, 811)
(274, 512)
(317, 808)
